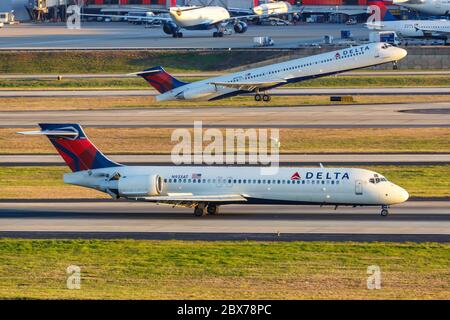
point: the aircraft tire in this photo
(220, 34)
(199, 211)
(212, 209)
(180, 34)
(266, 98)
(215, 34)
(384, 212)
(257, 97)
(175, 34)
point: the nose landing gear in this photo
(384, 211)
(394, 65)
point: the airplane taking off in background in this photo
(432, 7)
(205, 188)
(265, 78)
(417, 29)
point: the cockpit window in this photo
(377, 179)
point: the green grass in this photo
(138, 83)
(46, 182)
(128, 269)
(299, 140)
(116, 61)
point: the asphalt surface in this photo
(275, 92)
(123, 35)
(285, 159)
(411, 221)
(366, 115)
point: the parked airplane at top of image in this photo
(277, 7)
(426, 29)
(207, 187)
(196, 18)
(432, 7)
(261, 79)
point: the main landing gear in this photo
(384, 211)
(263, 97)
(218, 34)
(202, 209)
(177, 34)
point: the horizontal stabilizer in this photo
(51, 133)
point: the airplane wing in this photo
(262, 16)
(431, 32)
(141, 18)
(189, 199)
(249, 85)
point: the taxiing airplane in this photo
(417, 29)
(205, 188)
(432, 7)
(196, 18)
(262, 79)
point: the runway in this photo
(123, 35)
(285, 159)
(350, 116)
(275, 92)
(411, 221)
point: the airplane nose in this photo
(403, 194)
(400, 53)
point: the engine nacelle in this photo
(140, 186)
(170, 27)
(240, 27)
(201, 93)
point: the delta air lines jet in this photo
(262, 79)
(205, 188)
(416, 29)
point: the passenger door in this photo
(358, 187)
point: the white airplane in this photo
(277, 7)
(195, 18)
(265, 78)
(432, 7)
(205, 188)
(191, 18)
(426, 29)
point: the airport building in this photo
(54, 10)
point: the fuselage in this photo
(414, 28)
(337, 186)
(279, 7)
(288, 72)
(198, 18)
(432, 7)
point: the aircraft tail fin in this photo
(74, 146)
(386, 15)
(161, 80)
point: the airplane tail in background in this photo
(159, 79)
(73, 145)
(385, 14)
